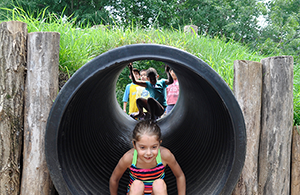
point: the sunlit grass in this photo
(296, 95)
(80, 45)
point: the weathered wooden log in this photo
(277, 125)
(248, 90)
(13, 36)
(191, 29)
(40, 91)
(295, 170)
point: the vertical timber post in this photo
(248, 90)
(40, 91)
(277, 125)
(191, 29)
(295, 174)
(13, 37)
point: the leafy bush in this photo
(80, 45)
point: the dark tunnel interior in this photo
(87, 131)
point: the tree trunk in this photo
(277, 125)
(191, 29)
(248, 89)
(40, 92)
(13, 37)
(295, 170)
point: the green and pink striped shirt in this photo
(147, 176)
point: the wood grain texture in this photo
(13, 37)
(40, 91)
(248, 90)
(277, 124)
(295, 170)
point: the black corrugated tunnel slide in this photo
(87, 131)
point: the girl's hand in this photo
(130, 67)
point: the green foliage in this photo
(282, 34)
(232, 19)
(80, 45)
(86, 12)
(145, 13)
(296, 93)
(236, 19)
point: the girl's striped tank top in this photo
(147, 176)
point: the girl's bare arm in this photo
(140, 83)
(170, 80)
(177, 171)
(119, 170)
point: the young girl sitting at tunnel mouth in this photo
(157, 102)
(146, 163)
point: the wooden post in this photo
(40, 91)
(277, 125)
(13, 37)
(191, 29)
(248, 89)
(295, 170)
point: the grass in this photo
(296, 95)
(80, 45)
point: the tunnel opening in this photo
(124, 85)
(87, 132)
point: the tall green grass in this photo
(296, 94)
(79, 45)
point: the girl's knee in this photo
(137, 187)
(151, 100)
(159, 186)
(139, 101)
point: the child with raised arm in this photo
(172, 93)
(130, 94)
(157, 102)
(146, 163)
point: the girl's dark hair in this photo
(148, 127)
(151, 71)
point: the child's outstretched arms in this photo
(121, 167)
(170, 80)
(140, 83)
(169, 158)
